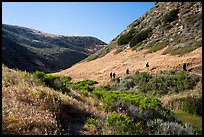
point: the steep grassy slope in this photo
(99, 69)
(29, 49)
(29, 107)
(176, 25)
(163, 47)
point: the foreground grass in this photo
(31, 108)
(54, 105)
(186, 118)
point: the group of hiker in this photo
(113, 75)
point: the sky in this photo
(103, 20)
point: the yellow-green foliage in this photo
(156, 47)
(186, 118)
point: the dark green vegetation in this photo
(133, 38)
(125, 39)
(140, 37)
(171, 16)
(156, 47)
(165, 82)
(31, 50)
(182, 48)
(57, 83)
(131, 111)
(191, 104)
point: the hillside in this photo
(42, 104)
(162, 99)
(30, 50)
(99, 69)
(164, 48)
(176, 25)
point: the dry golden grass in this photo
(99, 69)
(31, 108)
(24, 109)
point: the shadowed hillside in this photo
(28, 49)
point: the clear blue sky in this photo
(104, 20)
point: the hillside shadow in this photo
(71, 120)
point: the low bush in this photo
(156, 47)
(55, 82)
(164, 82)
(191, 105)
(168, 82)
(160, 127)
(181, 50)
(125, 38)
(137, 105)
(170, 16)
(105, 87)
(120, 124)
(84, 85)
(139, 37)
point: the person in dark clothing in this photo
(111, 74)
(147, 65)
(184, 67)
(114, 75)
(127, 71)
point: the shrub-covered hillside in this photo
(176, 25)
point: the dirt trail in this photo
(99, 69)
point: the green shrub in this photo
(85, 85)
(164, 82)
(55, 82)
(137, 105)
(170, 16)
(160, 127)
(92, 121)
(156, 47)
(192, 105)
(192, 19)
(169, 82)
(181, 49)
(117, 79)
(122, 125)
(39, 74)
(105, 87)
(125, 38)
(139, 37)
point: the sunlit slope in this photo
(99, 69)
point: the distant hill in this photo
(30, 50)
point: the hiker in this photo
(127, 71)
(147, 66)
(111, 74)
(114, 75)
(184, 67)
